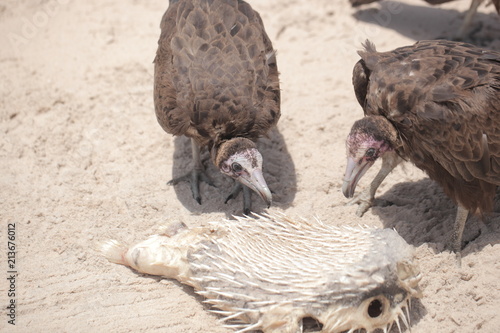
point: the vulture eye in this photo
(237, 167)
(375, 308)
(370, 152)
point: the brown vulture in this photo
(437, 104)
(216, 82)
(468, 17)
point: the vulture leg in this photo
(196, 175)
(247, 196)
(468, 19)
(458, 230)
(365, 199)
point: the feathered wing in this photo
(216, 75)
(170, 116)
(444, 99)
(360, 79)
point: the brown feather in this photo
(443, 98)
(214, 79)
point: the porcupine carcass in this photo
(272, 272)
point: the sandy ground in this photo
(82, 159)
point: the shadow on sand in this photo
(422, 213)
(429, 22)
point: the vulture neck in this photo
(381, 129)
(392, 135)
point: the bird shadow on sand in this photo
(422, 213)
(428, 22)
(278, 168)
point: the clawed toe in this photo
(194, 177)
(363, 202)
(363, 208)
(204, 178)
(247, 197)
(234, 192)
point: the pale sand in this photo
(84, 160)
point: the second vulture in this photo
(216, 82)
(436, 104)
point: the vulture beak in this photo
(355, 169)
(255, 181)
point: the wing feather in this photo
(444, 98)
(215, 72)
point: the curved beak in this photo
(355, 169)
(255, 181)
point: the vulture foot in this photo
(194, 177)
(483, 227)
(468, 35)
(458, 230)
(456, 240)
(247, 197)
(483, 230)
(467, 23)
(364, 200)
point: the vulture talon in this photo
(220, 88)
(206, 179)
(364, 202)
(483, 228)
(458, 259)
(363, 208)
(234, 193)
(194, 177)
(247, 201)
(247, 197)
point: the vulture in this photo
(437, 104)
(468, 16)
(216, 82)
